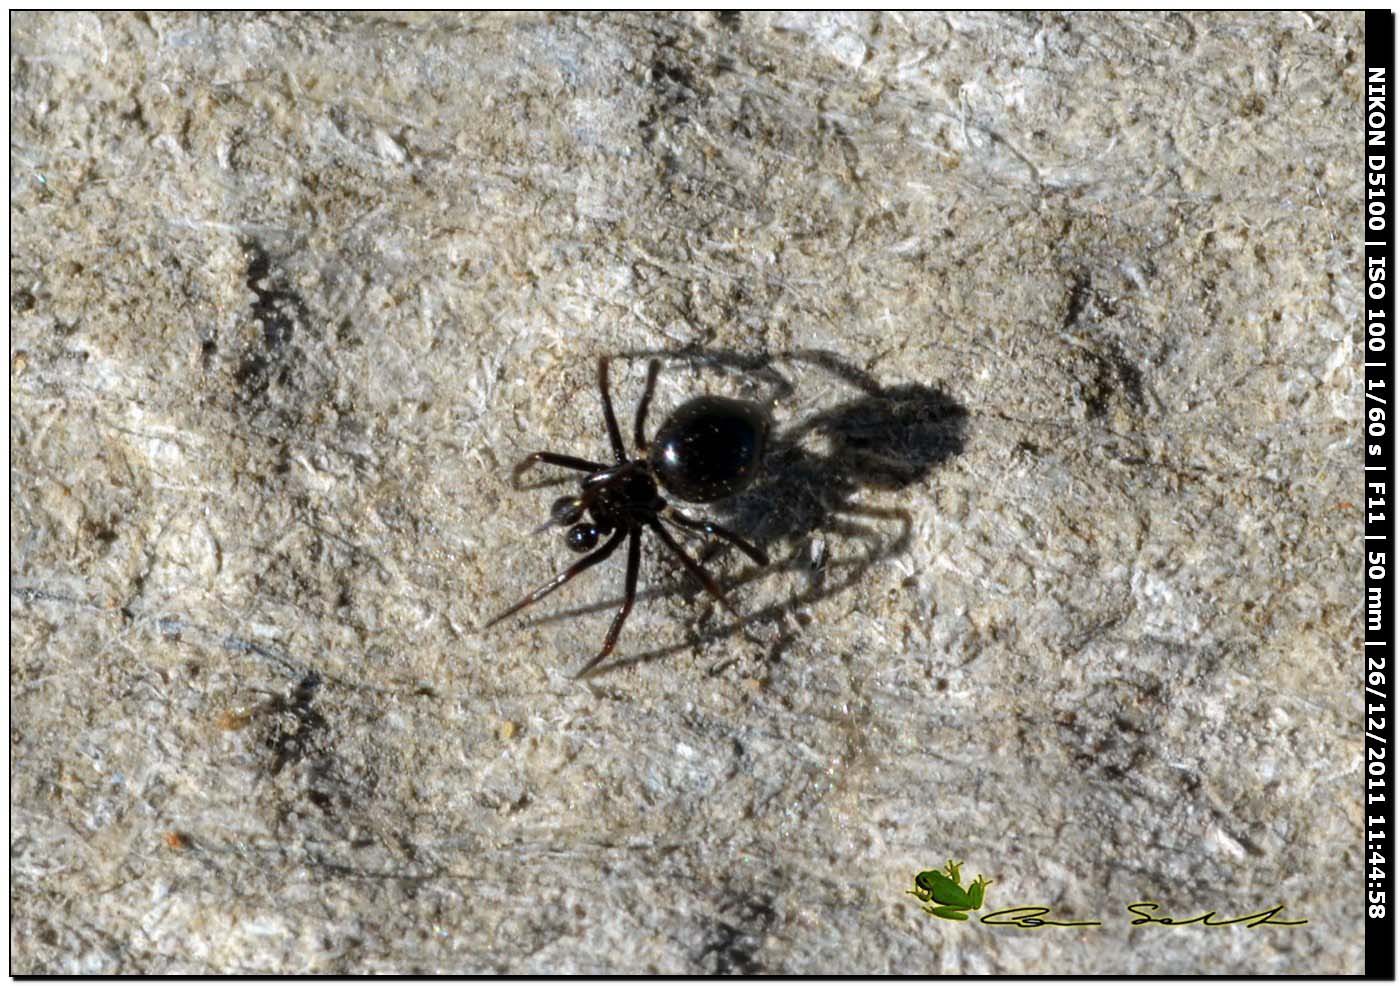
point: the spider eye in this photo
(582, 537)
(565, 511)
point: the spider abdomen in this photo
(709, 448)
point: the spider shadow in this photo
(882, 439)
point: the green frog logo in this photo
(943, 888)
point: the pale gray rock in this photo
(1057, 318)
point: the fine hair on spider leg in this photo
(707, 449)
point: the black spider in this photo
(708, 449)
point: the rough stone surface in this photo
(1057, 319)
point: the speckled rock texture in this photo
(1057, 320)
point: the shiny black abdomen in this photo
(709, 448)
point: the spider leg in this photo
(610, 419)
(691, 565)
(552, 459)
(587, 561)
(639, 440)
(634, 558)
(711, 528)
